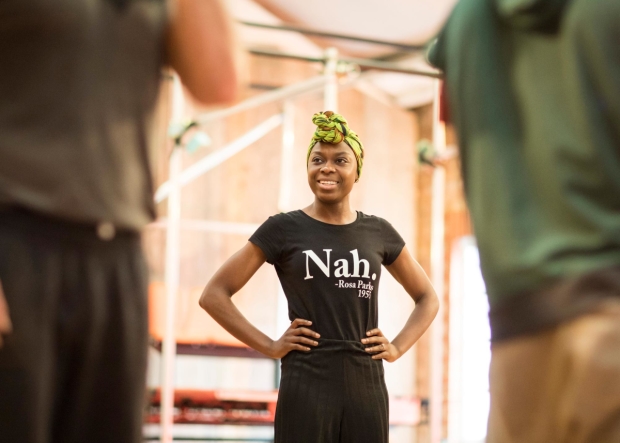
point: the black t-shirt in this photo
(330, 273)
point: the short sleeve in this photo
(393, 243)
(269, 237)
(435, 54)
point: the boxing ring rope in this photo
(329, 82)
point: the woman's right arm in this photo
(216, 300)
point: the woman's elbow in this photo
(433, 302)
(430, 301)
(214, 297)
(206, 300)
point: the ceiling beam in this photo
(307, 31)
(364, 64)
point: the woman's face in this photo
(332, 171)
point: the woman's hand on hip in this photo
(296, 338)
(380, 347)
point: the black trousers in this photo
(334, 394)
(73, 371)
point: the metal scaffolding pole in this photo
(315, 33)
(286, 165)
(437, 276)
(364, 64)
(285, 201)
(286, 92)
(330, 96)
(172, 274)
(216, 158)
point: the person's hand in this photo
(295, 339)
(5, 320)
(381, 347)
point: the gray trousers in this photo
(73, 370)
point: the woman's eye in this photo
(342, 160)
(316, 160)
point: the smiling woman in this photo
(328, 258)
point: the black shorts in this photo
(73, 370)
(333, 394)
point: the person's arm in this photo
(201, 48)
(216, 300)
(5, 319)
(412, 277)
(591, 70)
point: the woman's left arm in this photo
(412, 277)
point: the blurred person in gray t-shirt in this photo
(78, 81)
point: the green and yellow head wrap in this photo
(333, 128)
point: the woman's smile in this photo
(327, 184)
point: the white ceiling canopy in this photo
(400, 21)
(403, 21)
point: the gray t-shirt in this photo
(78, 80)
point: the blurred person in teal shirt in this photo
(533, 88)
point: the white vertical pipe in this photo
(437, 276)
(285, 198)
(288, 161)
(172, 272)
(455, 376)
(331, 88)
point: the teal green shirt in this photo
(534, 91)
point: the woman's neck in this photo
(336, 214)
